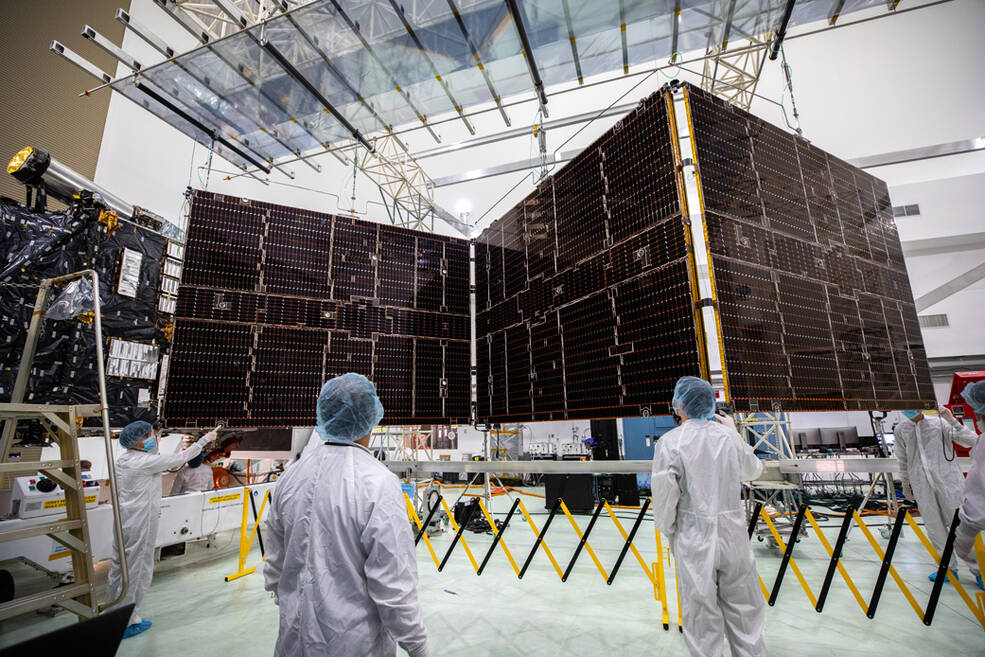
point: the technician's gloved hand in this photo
(908, 492)
(946, 415)
(209, 437)
(726, 420)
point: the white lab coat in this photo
(340, 558)
(192, 480)
(972, 512)
(935, 481)
(697, 504)
(138, 481)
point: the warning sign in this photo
(55, 504)
(223, 498)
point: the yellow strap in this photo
(793, 563)
(625, 537)
(454, 526)
(950, 575)
(892, 571)
(417, 521)
(543, 543)
(660, 577)
(841, 567)
(980, 556)
(677, 584)
(502, 542)
(588, 548)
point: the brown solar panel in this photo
(584, 303)
(815, 304)
(274, 301)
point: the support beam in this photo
(111, 48)
(622, 36)
(676, 27)
(434, 70)
(354, 27)
(303, 81)
(81, 62)
(835, 11)
(950, 288)
(781, 32)
(143, 88)
(145, 33)
(162, 47)
(571, 40)
(528, 53)
(316, 46)
(724, 45)
(921, 153)
(190, 25)
(478, 61)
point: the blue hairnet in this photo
(133, 432)
(348, 408)
(974, 395)
(695, 397)
(197, 461)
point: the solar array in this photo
(583, 292)
(586, 292)
(815, 303)
(274, 301)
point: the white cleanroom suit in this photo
(340, 558)
(972, 513)
(138, 481)
(697, 470)
(193, 480)
(936, 482)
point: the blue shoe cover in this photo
(136, 628)
(933, 576)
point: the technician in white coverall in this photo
(971, 516)
(340, 552)
(930, 472)
(194, 478)
(138, 481)
(697, 505)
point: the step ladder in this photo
(61, 423)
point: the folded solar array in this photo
(275, 300)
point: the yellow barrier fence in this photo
(655, 572)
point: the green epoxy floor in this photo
(195, 613)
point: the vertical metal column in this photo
(692, 207)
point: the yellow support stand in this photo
(246, 539)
